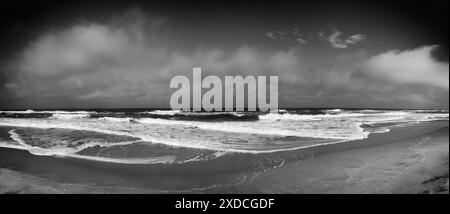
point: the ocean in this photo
(157, 143)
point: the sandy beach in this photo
(419, 164)
(405, 160)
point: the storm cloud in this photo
(130, 60)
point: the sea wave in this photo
(57, 114)
(287, 116)
(203, 116)
(164, 112)
(271, 132)
(60, 151)
(116, 119)
(69, 115)
(19, 142)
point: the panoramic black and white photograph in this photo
(224, 97)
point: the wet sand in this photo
(405, 160)
(418, 164)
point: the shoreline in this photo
(415, 165)
(21, 172)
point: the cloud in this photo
(302, 41)
(271, 35)
(334, 38)
(296, 32)
(128, 63)
(293, 34)
(392, 69)
(113, 62)
(355, 39)
(321, 35)
(278, 35)
(77, 49)
(415, 66)
(337, 42)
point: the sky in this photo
(326, 54)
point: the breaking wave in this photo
(110, 133)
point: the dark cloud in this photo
(128, 61)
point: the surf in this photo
(192, 132)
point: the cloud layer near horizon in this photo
(129, 61)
